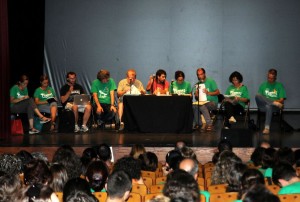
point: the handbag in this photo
(17, 127)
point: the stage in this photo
(204, 143)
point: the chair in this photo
(208, 164)
(289, 197)
(101, 196)
(140, 189)
(217, 189)
(158, 172)
(273, 188)
(160, 180)
(298, 170)
(59, 196)
(158, 188)
(21, 176)
(151, 196)
(150, 174)
(207, 182)
(148, 181)
(201, 181)
(224, 197)
(134, 197)
(207, 174)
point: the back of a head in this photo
(284, 171)
(149, 161)
(10, 164)
(268, 158)
(257, 155)
(80, 196)
(75, 184)
(118, 184)
(285, 154)
(173, 159)
(9, 185)
(59, 177)
(259, 193)
(130, 165)
(104, 152)
(189, 165)
(188, 152)
(181, 185)
(234, 177)
(37, 172)
(250, 178)
(96, 174)
(224, 145)
(137, 150)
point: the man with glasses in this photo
(270, 97)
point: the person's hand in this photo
(205, 91)
(113, 108)
(25, 97)
(143, 92)
(71, 88)
(99, 110)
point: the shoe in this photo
(209, 128)
(44, 120)
(76, 129)
(226, 128)
(232, 120)
(84, 128)
(121, 126)
(33, 131)
(195, 127)
(278, 104)
(266, 131)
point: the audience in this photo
(96, 175)
(173, 159)
(137, 150)
(88, 155)
(259, 193)
(75, 185)
(104, 154)
(149, 161)
(59, 177)
(9, 185)
(234, 177)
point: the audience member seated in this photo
(78, 195)
(180, 185)
(132, 167)
(270, 98)
(180, 86)
(297, 157)
(66, 156)
(137, 150)
(149, 161)
(96, 175)
(20, 102)
(179, 145)
(158, 84)
(234, 177)
(131, 86)
(209, 91)
(40, 193)
(37, 173)
(187, 152)
(59, 177)
(267, 163)
(118, 186)
(286, 177)
(260, 193)
(88, 155)
(222, 146)
(104, 154)
(236, 97)
(190, 165)
(103, 90)
(173, 159)
(46, 100)
(10, 164)
(285, 154)
(9, 186)
(67, 93)
(25, 157)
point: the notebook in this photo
(82, 99)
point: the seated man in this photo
(158, 84)
(209, 89)
(286, 177)
(118, 186)
(180, 86)
(130, 85)
(103, 89)
(67, 93)
(270, 97)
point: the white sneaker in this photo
(33, 131)
(77, 129)
(121, 126)
(84, 128)
(266, 131)
(232, 120)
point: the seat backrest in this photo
(101, 196)
(59, 196)
(289, 197)
(148, 181)
(157, 188)
(201, 181)
(151, 196)
(134, 197)
(273, 188)
(140, 189)
(217, 189)
(161, 180)
(224, 197)
(150, 174)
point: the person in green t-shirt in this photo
(180, 86)
(103, 90)
(20, 102)
(46, 100)
(270, 98)
(236, 97)
(286, 177)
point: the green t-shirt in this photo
(273, 91)
(290, 189)
(180, 89)
(103, 90)
(44, 95)
(16, 93)
(241, 92)
(211, 86)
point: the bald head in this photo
(190, 166)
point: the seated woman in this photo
(45, 99)
(180, 86)
(236, 97)
(20, 102)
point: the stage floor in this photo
(277, 137)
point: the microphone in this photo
(172, 81)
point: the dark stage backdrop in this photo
(219, 35)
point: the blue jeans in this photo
(204, 110)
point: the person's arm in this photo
(66, 96)
(38, 102)
(97, 102)
(14, 100)
(212, 93)
(112, 101)
(150, 82)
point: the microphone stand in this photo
(172, 82)
(130, 84)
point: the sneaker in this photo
(84, 128)
(226, 128)
(44, 120)
(232, 120)
(33, 131)
(121, 126)
(77, 129)
(278, 104)
(266, 131)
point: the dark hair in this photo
(137, 150)
(234, 177)
(70, 73)
(181, 185)
(88, 155)
(179, 74)
(297, 157)
(43, 78)
(38, 193)
(103, 152)
(200, 69)
(224, 145)
(74, 185)
(59, 177)
(118, 183)
(25, 157)
(188, 152)
(268, 158)
(96, 174)
(256, 156)
(260, 193)
(103, 74)
(149, 161)
(22, 79)
(10, 164)
(9, 184)
(273, 72)
(285, 154)
(236, 75)
(36, 172)
(130, 165)
(283, 171)
(173, 159)
(78, 196)
(160, 72)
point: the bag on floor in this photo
(17, 127)
(66, 123)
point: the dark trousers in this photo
(231, 110)
(107, 114)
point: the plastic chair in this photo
(148, 181)
(273, 188)
(151, 196)
(59, 196)
(289, 197)
(140, 189)
(224, 197)
(134, 197)
(160, 180)
(101, 196)
(158, 188)
(201, 181)
(150, 174)
(217, 189)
